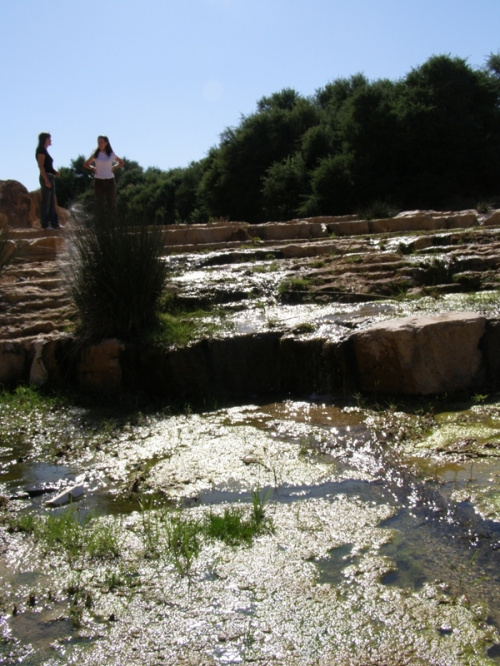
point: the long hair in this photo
(42, 138)
(108, 150)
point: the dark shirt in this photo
(48, 161)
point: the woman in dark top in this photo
(48, 212)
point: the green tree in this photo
(73, 182)
(332, 187)
(284, 187)
(450, 116)
(232, 183)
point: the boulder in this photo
(38, 372)
(491, 219)
(421, 355)
(404, 224)
(15, 203)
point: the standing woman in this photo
(103, 162)
(48, 211)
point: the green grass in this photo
(74, 534)
(235, 526)
(25, 399)
(231, 527)
(293, 288)
(179, 537)
(183, 542)
(377, 210)
(180, 325)
(175, 330)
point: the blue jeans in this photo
(48, 212)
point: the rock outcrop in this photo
(415, 356)
(15, 204)
(20, 209)
(421, 355)
(340, 260)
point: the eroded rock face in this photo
(15, 203)
(421, 355)
(99, 368)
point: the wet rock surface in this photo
(286, 294)
(239, 265)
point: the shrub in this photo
(378, 210)
(115, 276)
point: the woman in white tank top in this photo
(103, 162)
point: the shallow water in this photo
(374, 498)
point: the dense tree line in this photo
(430, 140)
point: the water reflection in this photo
(295, 452)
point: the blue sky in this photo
(164, 78)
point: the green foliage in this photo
(284, 187)
(294, 289)
(75, 534)
(431, 139)
(235, 527)
(115, 277)
(179, 537)
(230, 527)
(73, 182)
(183, 542)
(378, 210)
(23, 400)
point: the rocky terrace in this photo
(326, 261)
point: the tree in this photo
(450, 115)
(332, 187)
(431, 140)
(73, 182)
(232, 183)
(284, 187)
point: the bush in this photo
(378, 210)
(115, 277)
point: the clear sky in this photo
(164, 78)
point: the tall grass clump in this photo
(115, 276)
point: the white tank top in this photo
(103, 164)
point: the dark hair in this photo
(42, 138)
(108, 150)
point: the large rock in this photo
(15, 203)
(99, 369)
(421, 355)
(12, 363)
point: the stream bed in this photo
(381, 542)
